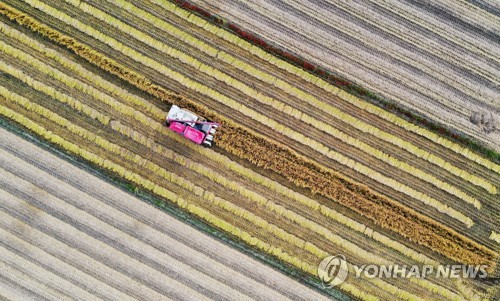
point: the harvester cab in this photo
(191, 126)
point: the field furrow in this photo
(95, 284)
(38, 288)
(151, 258)
(44, 276)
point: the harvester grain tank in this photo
(191, 126)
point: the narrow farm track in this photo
(69, 102)
(164, 242)
(439, 101)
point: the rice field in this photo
(301, 169)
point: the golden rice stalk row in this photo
(82, 72)
(207, 195)
(185, 58)
(63, 78)
(495, 236)
(70, 101)
(224, 34)
(73, 103)
(299, 170)
(187, 82)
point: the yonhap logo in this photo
(332, 270)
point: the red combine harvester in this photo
(191, 126)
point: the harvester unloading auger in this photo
(191, 126)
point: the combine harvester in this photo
(191, 126)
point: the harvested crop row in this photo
(470, 13)
(452, 56)
(327, 17)
(297, 169)
(181, 271)
(458, 36)
(220, 32)
(213, 156)
(33, 285)
(328, 109)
